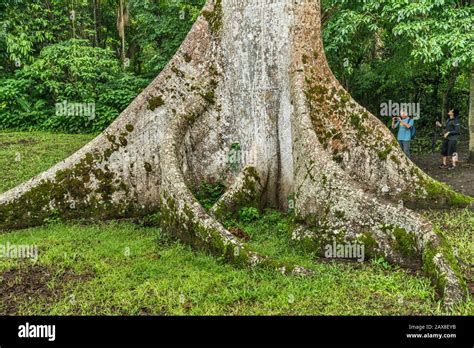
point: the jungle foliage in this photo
(106, 51)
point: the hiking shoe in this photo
(452, 168)
(443, 166)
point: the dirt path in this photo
(461, 179)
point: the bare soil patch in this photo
(461, 179)
(28, 284)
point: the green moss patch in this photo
(430, 269)
(214, 18)
(155, 102)
(383, 155)
(70, 195)
(405, 242)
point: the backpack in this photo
(413, 131)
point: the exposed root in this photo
(357, 141)
(245, 192)
(337, 207)
(184, 217)
(419, 250)
(339, 161)
(117, 174)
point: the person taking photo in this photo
(404, 132)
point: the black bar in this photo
(244, 330)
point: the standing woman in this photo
(452, 130)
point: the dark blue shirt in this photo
(453, 127)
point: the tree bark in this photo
(471, 113)
(253, 76)
(96, 37)
(122, 19)
(471, 119)
(447, 93)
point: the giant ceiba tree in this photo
(252, 77)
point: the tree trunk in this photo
(471, 114)
(96, 37)
(253, 77)
(446, 95)
(122, 19)
(73, 18)
(471, 119)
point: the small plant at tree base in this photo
(381, 262)
(249, 214)
(151, 220)
(209, 193)
(54, 217)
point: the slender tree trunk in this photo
(447, 93)
(73, 18)
(435, 95)
(471, 113)
(250, 100)
(121, 22)
(96, 36)
(471, 119)
(99, 25)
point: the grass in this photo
(23, 155)
(120, 267)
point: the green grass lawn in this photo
(121, 267)
(23, 155)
